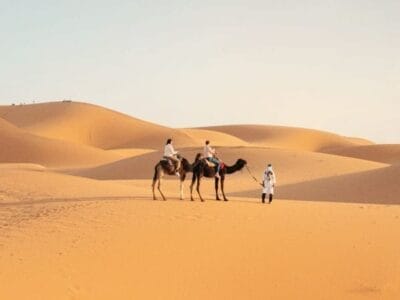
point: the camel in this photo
(202, 169)
(165, 168)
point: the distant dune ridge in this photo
(287, 137)
(90, 125)
(77, 219)
(20, 146)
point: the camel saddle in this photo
(209, 163)
(169, 161)
(213, 165)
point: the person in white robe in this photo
(268, 183)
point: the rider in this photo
(210, 155)
(170, 153)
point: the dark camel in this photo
(202, 169)
(164, 167)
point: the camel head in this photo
(240, 163)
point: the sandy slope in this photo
(138, 249)
(287, 137)
(90, 125)
(17, 145)
(360, 141)
(382, 153)
(290, 165)
(33, 183)
(215, 137)
(374, 186)
(379, 186)
(130, 152)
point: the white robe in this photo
(269, 182)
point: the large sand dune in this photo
(287, 137)
(290, 165)
(90, 125)
(19, 146)
(382, 153)
(380, 186)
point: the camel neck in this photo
(232, 169)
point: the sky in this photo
(329, 65)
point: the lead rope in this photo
(255, 179)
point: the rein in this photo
(252, 176)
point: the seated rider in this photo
(210, 155)
(170, 153)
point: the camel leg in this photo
(216, 188)
(191, 187)
(156, 177)
(153, 188)
(159, 189)
(181, 189)
(183, 177)
(198, 189)
(222, 188)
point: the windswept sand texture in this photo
(77, 220)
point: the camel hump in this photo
(167, 162)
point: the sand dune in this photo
(90, 125)
(360, 141)
(20, 146)
(290, 165)
(129, 152)
(375, 186)
(380, 186)
(382, 153)
(27, 183)
(215, 137)
(287, 137)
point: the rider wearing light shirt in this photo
(170, 153)
(209, 154)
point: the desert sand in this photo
(77, 219)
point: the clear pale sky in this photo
(331, 65)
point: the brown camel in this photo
(202, 169)
(164, 167)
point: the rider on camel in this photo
(171, 154)
(210, 155)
